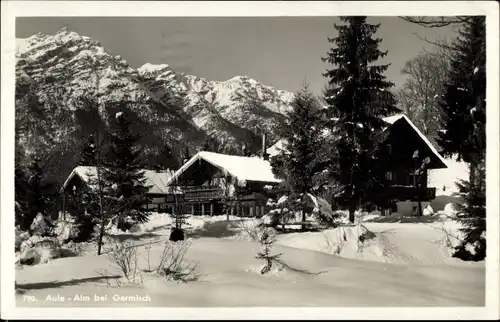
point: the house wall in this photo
(400, 145)
(410, 208)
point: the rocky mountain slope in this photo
(181, 110)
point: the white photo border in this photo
(12, 9)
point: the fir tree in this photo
(464, 131)
(210, 145)
(463, 101)
(298, 164)
(123, 175)
(37, 194)
(166, 159)
(20, 192)
(267, 240)
(473, 217)
(186, 155)
(88, 157)
(358, 97)
(87, 204)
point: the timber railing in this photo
(202, 193)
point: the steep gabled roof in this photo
(281, 144)
(157, 180)
(242, 168)
(397, 117)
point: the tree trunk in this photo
(303, 226)
(99, 187)
(420, 211)
(352, 209)
(472, 172)
(101, 236)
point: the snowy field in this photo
(400, 264)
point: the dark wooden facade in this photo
(208, 190)
(406, 153)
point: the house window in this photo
(388, 175)
(388, 148)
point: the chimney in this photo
(264, 153)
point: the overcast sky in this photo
(278, 51)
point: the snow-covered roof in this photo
(157, 180)
(280, 145)
(242, 168)
(276, 148)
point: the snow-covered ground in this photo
(402, 265)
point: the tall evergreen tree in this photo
(298, 164)
(166, 160)
(36, 194)
(89, 151)
(210, 145)
(20, 192)
(186, 155)
(87, 205)
(124, 180)
(358, 97)
(464, 131)
(473, 216)
(464, 98)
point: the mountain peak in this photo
(153, 68)
(63, 30)
(239, 79)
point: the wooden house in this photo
(209, 181)
(406, 150)
(161, 196)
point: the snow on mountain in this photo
(241, 101)
(172, 107)
(55, 73)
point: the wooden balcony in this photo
(202, 193)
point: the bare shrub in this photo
(124, 257)
(172, 264)
(331, 245)
(252, 229)
(148, 257)
(449, 240)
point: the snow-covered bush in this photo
(347, 239)
(251, 229)
(42, 225)
(278, 211)
(21, 236)
(324, 213)
(172, 264)
(72, 249)
(428, 211)
(451, 209)
(39, 250)
(66, 230)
